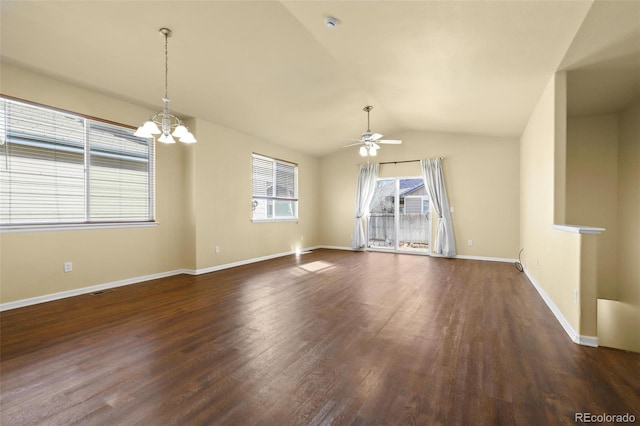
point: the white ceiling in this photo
(272, 68)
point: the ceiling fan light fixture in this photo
(369, 140)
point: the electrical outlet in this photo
(470, 242)
(68, 266)
(217, 249)
(301, 237)
(575, 296)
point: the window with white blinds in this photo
(60, 168)
(275, 189)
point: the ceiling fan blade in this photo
(352, 144)
(391, 141)
(375, 145)
(374, 137)
(351, 139)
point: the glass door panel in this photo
(399, 218)
(381, 223)
(414, 227)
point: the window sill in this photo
(579, 229)
(5, 229)
(293, 219)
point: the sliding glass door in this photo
(399, 219)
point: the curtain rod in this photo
(404, 161)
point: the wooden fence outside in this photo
(413, 230)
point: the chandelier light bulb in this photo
(142, 132)
(180, 131)
(152, 128)
(166, 138)
(373, 151)
(188, 138)
(363, 151)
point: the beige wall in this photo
(203, 200)
(629, 205)
(618, 320)
(223, 199)
(551, 257)
(592, 189)
(31, 263)
(481, 175)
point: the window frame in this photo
(295, 199)
(88, 223)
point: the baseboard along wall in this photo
(566, 325)
(582, 340)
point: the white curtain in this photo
(364, 194)
(434, 183)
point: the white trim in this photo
(272, 220)
(568, 328)
(589, 341)
(84, 290)
(77, 292)
(566, 325)
(243, 262)
(585, 340)
(337, 248)
(579, 229)
(6, 229)
(484, 258)
(426, 252)
(460, 256)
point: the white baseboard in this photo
(589, 341)
(244, 262)
(336, 248)
(566, 325)
(84, 290)
(484, 258)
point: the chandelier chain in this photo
(166, 66)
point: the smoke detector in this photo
(331, 22)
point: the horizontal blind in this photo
(57, 167)
(274, 188)
(42, 165)
(119, 174)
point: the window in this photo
(58, 168)
(275, 189)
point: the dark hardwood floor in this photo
(331, 337)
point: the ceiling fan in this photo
(370, 140)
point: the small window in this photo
(275, 189)
(59, 168)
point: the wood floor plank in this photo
(328, 337)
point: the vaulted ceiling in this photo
(274, 70)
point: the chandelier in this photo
(164, 123)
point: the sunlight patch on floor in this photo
(317, 266)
